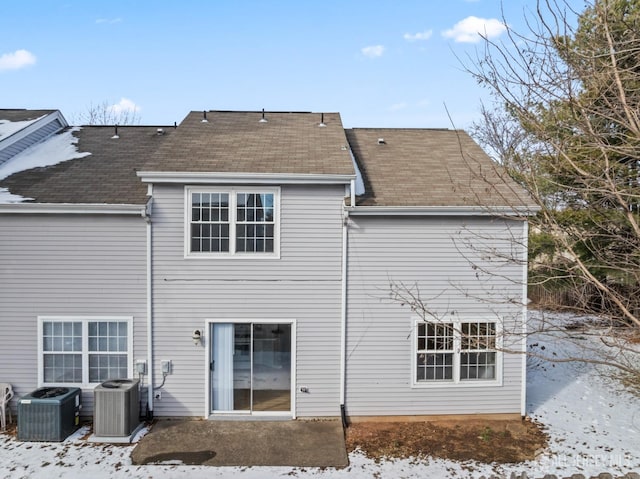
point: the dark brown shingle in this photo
(22, 115)
(414, 167)
(108, 175)
(237, 142)
(423, 167)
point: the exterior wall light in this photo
(197, 337)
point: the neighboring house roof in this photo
(22, 114)
(107, 175)
(430, 168)
(20, 129)
(238, 142)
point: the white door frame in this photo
(207, 371)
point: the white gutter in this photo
(352, 203)
(181, 177)
(441, 210)
(525, 248)
(149, 312)
(73, 208)
(343, 315)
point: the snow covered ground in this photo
(593, 422)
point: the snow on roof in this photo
(8, 128)
(7, 197)
(56, 149)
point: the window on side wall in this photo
(460, 352)
(83, 351)
(232, 222)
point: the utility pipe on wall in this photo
(343, 317)
(525, 257)
(149, 312)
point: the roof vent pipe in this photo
(175, 125)
(160, 131)
(115, 135)
(204, 116)
(381, 141)
(322, 120)
(263, 119)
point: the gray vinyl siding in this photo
(447, 259)
(40, 134)
(58, 265)
(303, 285)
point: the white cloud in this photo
(470, 29)
(373, 51)
(124, 105)
(16, 60)
(413, 37)
(398, 106)
(109, 21)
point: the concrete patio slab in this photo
(250, 443)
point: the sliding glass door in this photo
(251, 367)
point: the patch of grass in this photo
(631, 382)
(486, 434)
(500, 441)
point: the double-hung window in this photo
(83, 351)
(458, 352)
(226, 222)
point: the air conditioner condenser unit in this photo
(49, 414)
(116, 408)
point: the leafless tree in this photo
(575, 93)
(566, 125)
(109, 113)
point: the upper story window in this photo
(456, 352)
(232, 221)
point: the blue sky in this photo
(378, 63)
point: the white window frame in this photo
(85, 320)
(232, 192)
(456, 382)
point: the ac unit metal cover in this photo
(116, 410)
(49, 414)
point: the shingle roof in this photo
(237, 142)
(424, 167)
(414, 167)
(108, 175)
(22, 115)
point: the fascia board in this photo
(159, 177)
(73, 208)
(441, 210)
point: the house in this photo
(263, 264)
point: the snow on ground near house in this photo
(594, 425)
(8, 128)
(53, 150)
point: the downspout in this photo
(525, 256)
(149, 311)
(343, 308)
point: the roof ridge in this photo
(125, 126)
(269, 111)
(403, 129)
